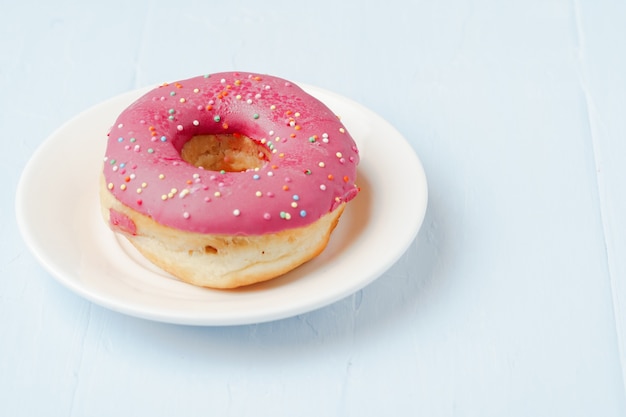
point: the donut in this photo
(227, 179)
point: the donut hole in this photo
(230, 153)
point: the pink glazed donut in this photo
(228, 179)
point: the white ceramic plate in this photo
(59, 216)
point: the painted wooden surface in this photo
(512, 299)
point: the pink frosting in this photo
(122, 222)
(310, 171)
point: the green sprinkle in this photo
(255, 115)
(217, 118)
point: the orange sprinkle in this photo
(257, 78)
(346, 179)
(189, 182)
(285, 187)
(237, 82)
(152, 128)
(209, 107)
(225, 126)
(297, 127)
(127, 179)
(293, 135)
(330, 177)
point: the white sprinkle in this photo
(236, 212)
(323, 187)
(179, 127)
(196, 123)
(186, 215)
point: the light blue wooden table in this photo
(510, 302)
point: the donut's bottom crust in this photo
(221, 261)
